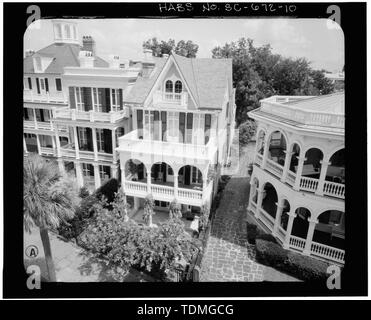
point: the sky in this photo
(314, 39)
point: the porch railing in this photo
(291, 177)
(274, 168)
(308, 184)
(92, 115)
(267, 219)
(297, 243)
(55, 97)
(324, 251)
(334, 189)
(259, 159)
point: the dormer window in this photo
(38, 63)
(178, 86)
(67, 31)
(169, 86)
(59, 31)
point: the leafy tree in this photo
(48, 200)
(175, 210)
(205, 213)
(149, 204)
(120, 206)
(159, 48)
(246, 131)
(258, 74)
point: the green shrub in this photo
(252, 232)
(271, 254)
(108, 190)
(302, 267)
(305, 267)
(246, 131)
(84, 192)
(267, 237)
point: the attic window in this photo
(59, 31)
(178, 86)
(169, 86)
(67, 31)
(38, 63)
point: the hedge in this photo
(254, 233)
(302, 267)
(108, 190)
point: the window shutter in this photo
(181, 127)
(38, 85)
(72, 97)
(164, 128)
(46, 85)
(207, 127)
(140, 123)
(30, 83)
(89, 136)
(87, 98)
(107, 135)
(108, 100)
(120, 99)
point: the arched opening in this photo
(162, 173)
(277, 148)
(169, 86)
(190, 177)
(135, 170)
(254, 191)
(301, 224)
(294, 157)
(178, 86)
(336, 170)
(270, 199)
(330, 229)
(260, 142)
(312, 166)
(284, 216)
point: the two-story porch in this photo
(167, 170)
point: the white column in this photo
(261, 193)
(58, 144)
(265, 153)
(95, 147)
(175, 185)
(278, 217)
(114, 172)
(308, 242)
(148, 180)
(24, 145)
(251, 193)
(114, 153)
(290, 223)
(38, 144)
(34, 117)
(322, 177)
(96, 176)
(136, 204)
(299, 172)
(76, 142)
(287, 165)
(79, 176)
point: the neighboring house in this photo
(74, 105)
(183, 122)
(298, 180)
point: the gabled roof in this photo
(64, 55)
(330, 103)
(206, 78)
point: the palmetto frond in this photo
(48, 198)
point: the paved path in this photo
(73, 264)
(228, 255)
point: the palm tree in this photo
(48, 199)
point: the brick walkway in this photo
(228, 256)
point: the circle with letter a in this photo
(32, 251)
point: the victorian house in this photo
(183, 122)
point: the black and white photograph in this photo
(190, 150)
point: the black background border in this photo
(354, 277)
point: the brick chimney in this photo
(88, 44)
(29, 52)
(148, 63)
